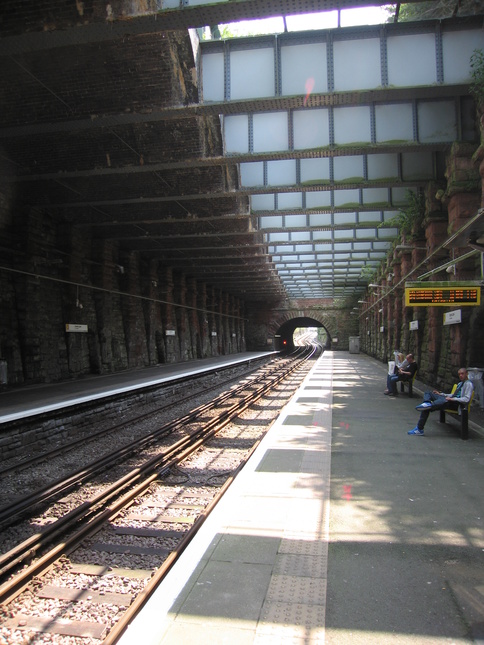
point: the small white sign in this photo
(413, 325)
(453, 317)
(74, 327)
(335, 340)
(214, 333)
(170, 332)
(382, 328)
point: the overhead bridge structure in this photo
(177, 197)
(331, 129)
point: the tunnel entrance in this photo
(297, 331)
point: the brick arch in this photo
(327, 321)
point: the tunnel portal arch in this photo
(283, 329)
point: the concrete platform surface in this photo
(340, 529)
(19, 402)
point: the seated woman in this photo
(407, 370)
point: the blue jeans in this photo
(392, 380)
(438, 403)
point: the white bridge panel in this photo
(262, 202)
(382, 166)
(296, 221)
(281, 173)
(394, 122)
(387, 233)
(375, 196)
(289, 201)
(346, 198)
(437, 121)
(345, 218)
(357, 64)
(348, 168)
(270, 132)
(352, 125)
(270, 222)
(320, 219)
(213, 77)
(311, 128)
(304, 69)
(236, 133)
(411, 60)
(252, 174)
(252, 74)
(314, 170)
(458, 48)
(318, 199)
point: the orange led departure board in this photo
(442, 295)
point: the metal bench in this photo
(410, 385)
(464, 415)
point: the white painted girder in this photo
(337, 61)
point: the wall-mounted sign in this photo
(442, 294)
(170, 332)
(70, 327)
(453, 317)
(413, 325)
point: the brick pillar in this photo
(212, 304)
(168, 316)
(154, 331)
(464, 194)
(110, 329)
(193, 319)
(181, 315)
(134, 319)
(203, 318)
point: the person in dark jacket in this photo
(405, 372)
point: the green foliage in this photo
(367, 273)
(410, 217)
(477, 75)
(435, 10)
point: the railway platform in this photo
(22, 402)
(340, 529)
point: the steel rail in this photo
(90, 510)
(21, 465)
(81, 475)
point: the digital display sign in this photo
(435, 294)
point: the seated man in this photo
(436, 400)
(406, 372)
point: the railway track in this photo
(85, 573)
(148, 431)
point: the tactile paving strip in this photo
(288, 564)
(287, 622)
(304, 547)
(306, 591)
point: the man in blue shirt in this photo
(436, 400)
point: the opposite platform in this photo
(21, 402)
